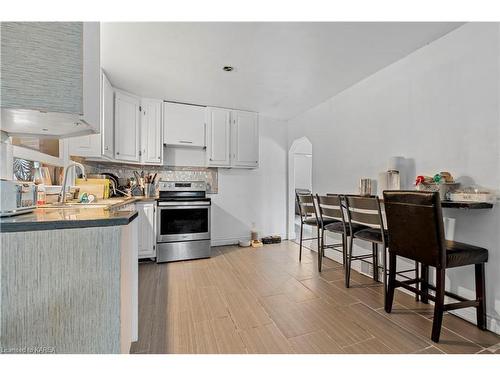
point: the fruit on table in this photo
(438, 178)
(424, 180)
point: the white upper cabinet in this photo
(50, 78)
(151, 132)
(98, 145)
(127, 127)
(88, 146)
(184, 124)
(218, 137)
(107, 118)
(131, 130)
(232, 138)
(245, 139)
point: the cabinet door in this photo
(184, 125)
(147, 238)
(218, 137)
(151, 132)
(88, 146)
(127, 127)
(244, 139)
(107, 118)
(98, 145)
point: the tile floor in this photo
(247, 300)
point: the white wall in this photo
(255, 195)
(438, 107)
(303, 171)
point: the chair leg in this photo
(375, 261)
(384, 272)
(417, 284)
(300, 240)
(438, 305)
(348, 262)
(391, 283)
(480, 296)
(319, 250)
(344, 249)
(322, 242)
(425, 283)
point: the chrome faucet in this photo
(62, 195)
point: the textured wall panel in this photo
(61, 289)
(42, 66)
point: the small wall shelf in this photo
(467, 205)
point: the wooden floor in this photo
(246, 300)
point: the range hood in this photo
(50, 78)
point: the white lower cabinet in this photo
(147, 229)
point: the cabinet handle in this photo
(159, 157)
(106, 148)
(117, 153)
(140, 152)
(185, 142)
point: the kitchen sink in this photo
(74, 205)
(101, 203)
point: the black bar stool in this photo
(310, 216)
(331, 216)
(415, 225)
(307, 212)
(365, 223)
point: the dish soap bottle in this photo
(40, 195)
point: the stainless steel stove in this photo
(183, 230)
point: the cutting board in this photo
(99, 187)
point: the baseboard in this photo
(228, 241)
(469, 314)
(235, 240)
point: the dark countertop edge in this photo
(67, 224)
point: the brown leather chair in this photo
(415, 226)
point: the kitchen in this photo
(156, 193)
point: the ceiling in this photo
(280, 69)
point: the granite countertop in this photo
(105, 213)
(65, 218)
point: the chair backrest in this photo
(415, 226)
(330, 206)
(364, 210)
(306, 205)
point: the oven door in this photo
(183, 221)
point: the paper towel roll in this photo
(396, 163)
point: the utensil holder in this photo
(149, 190)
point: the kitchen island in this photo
(68, 281)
